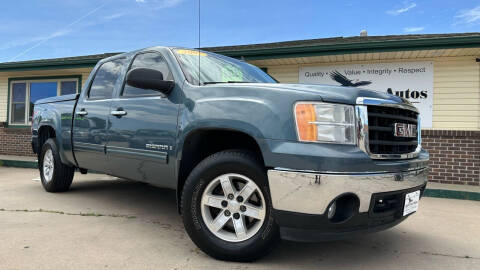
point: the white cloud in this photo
(413, 29)
(114, 16)
(23, 42)
(59, 33)
(158, 4)
(67, 29)
(171, 3)
(468, 16)
(18, 43)
(406, 7)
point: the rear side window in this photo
(151, 60)
(104, 82)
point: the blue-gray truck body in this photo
(148, 142)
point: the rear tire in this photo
(244, 235)
(55, 176)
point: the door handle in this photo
(118, 113)
(82, 112)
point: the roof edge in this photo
(56, 63)
(248, 53)
(349, 48)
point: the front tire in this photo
(55, 176)
(226, 207)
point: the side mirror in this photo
(146, 78)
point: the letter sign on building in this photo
(411, 80)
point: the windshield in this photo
(215, 68)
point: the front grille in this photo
(381, 121)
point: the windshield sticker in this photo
(231, 73)
(191, 52)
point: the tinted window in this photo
(105, 79)
(148, 60)
(39, 90)
(68, 87)
(19, 92)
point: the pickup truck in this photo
(252, 161)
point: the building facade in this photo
(439, 73)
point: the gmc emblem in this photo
(405, 130)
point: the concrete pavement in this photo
(108, 223)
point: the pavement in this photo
(108, 223)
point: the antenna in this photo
(198, 42)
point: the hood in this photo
(331, 93)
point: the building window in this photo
(24, 94)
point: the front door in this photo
(143, 128)
(91, 120)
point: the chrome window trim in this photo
(361, 114)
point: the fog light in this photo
(331, 210)
(343, 208)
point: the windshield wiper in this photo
(205, 83)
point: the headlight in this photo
(325, 122)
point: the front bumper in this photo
(301, 201)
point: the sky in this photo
(39, 29)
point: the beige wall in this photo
(456, 87)
(84, 72)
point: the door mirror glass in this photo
(146, 78)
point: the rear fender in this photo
(48, 116)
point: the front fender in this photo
(254, 117)
(258, 117)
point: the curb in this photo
(452, 194)
(18, 164)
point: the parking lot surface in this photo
(109, 223)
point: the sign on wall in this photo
(411, 80)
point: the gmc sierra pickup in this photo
(252, 160)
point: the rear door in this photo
(92, 115)
(143, 128)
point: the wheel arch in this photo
(47, 131)
(200, 143)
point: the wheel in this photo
(55, 175)
(226, 207)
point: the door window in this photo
(148, 60)
(105, 79)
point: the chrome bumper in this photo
(311, 193)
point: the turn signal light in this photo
(325, 122)
(305, 116)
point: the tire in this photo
(228, 243)
(55, 176)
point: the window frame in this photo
(27, 81)
(157, 93)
